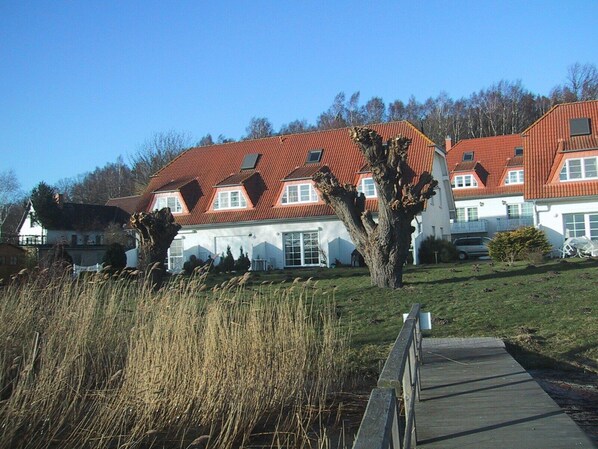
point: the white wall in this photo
(490, 209)
(550, 216)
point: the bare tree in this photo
(205, 141)
(157, 230)
(581, 84)
(385, 244)
(155, 153)
(374, 111)
(296, 127)
(10, 195)
(258, 128)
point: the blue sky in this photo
(83, 82)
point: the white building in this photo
(259, 195)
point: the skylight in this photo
(314, 156)
(579, 127)
(518, 151)
(468, 156)
(250, 161)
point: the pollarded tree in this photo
(157, 230)
(385, 244)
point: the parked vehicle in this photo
(471, 247)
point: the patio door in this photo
(301, 249)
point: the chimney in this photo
(448, 144)
(59, 198)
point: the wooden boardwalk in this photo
(475, 395)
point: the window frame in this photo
(289, 191)
(178, 209)
(467, 214)
(298, 246)
(456, 178)
(220, 195)
(587, 226)
(519, 177)
(565, 171)
(362, 187)
(176, 261)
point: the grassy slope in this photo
(547, 313)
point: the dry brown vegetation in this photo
(106, 363)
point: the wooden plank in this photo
(378, 428)
(475, 395)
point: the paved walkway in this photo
(475, 395)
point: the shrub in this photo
(227, 262)
(115, 256)
(243, 263)
(192, 264)
(514, 245)
(432, 245)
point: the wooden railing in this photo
(389, 419)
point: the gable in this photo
(552, 140)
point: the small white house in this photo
(80, 230)
(258, 195)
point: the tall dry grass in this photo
(107, 363)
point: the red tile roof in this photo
(126, 203)
(305, 172)
(236, 179)
(280, 156)
(545, 143)
(491, 158)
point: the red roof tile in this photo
(544, 143)
(492, 156)
(305, 172)
(236, 179)
(126, 203)
(280, 156)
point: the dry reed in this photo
(107, 363)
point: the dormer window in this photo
(171, 202)
(514, 177)
(229, 199)
(468, 156)
(299, 193)
(367, 187)
(464, 182)
(579, 169)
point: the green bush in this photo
(227, 262)
(243, 263)
(192, 264)
(431, 245)
(514, 245)
(115, 256)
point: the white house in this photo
(259, 195)
(487, 178)
(561, 166)
(80, 230)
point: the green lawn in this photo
(547, 314)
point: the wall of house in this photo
(493, 210)
(435, 220)
(30, 228)
(550, 219)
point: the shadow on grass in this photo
(559, 266)
(533, 360)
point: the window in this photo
(464, 182)
(175, 256)
(576, 169)
(314, 156)
(367, 187)
(171, 202)
(230, 199)
(13, 260)
(579, 127)
(581, 225)
(301, 249)
(519, 210)
(467, 214)
(518, 151)
(514, 177)
(299, 193)
(468, 156)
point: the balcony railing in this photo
(469, 227)
(509, 224)
(32, 240)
